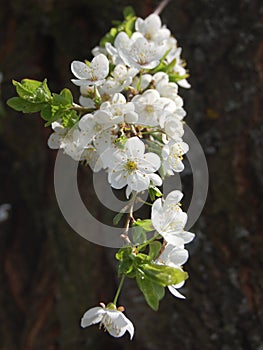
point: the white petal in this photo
(138, 182)
(80, 70)
(134, 147)
(92, 316)
(86, 122)
(175, 292)
(117, 179)
(100, 66)
(173, 197)
(149, 163)
(184, 83)
(188, 236)
(118, 98)
(86, 102)
(156, 179)
(156, 214)
(178, 256)
(81, 82)
(54, 141)
(173, 239)
(131, 117)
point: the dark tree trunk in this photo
(49, 275)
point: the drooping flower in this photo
(92, 74)
(113, 320)
(55, 139)
(132, 166)
(174, 257)
(172, 126)
(175, 54)
(169, 219)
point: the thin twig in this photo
(129, 219)
(161, 7)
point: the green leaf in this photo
(130, 26)
(33, 91)
(163, 275)
(154, 249)
(126, 265)
(128, 12)
(69, 118)
(145, 224)
(21, 105)
(117, 218)
(67, 96)
(152, 292)
(174, 77)
(154, 192)
(138, 235)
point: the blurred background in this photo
(49, 275)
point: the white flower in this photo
(172, 154)
(54, 140)
(169, 219)
(137, 51)
(150, 106)
(121, 77)
(131, 166)
(74, 143)
(113, 320)
(93, 124)
(172, 126)
(119, 109)
(92, 74)
(175, 53)
(174, 257)
(151, 28)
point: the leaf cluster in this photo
(35, 96)
(127, 26)
(151, 278)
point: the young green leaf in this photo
(152, 292)
(33, 91)
(145, 224)
(138, 235)
(20, 105)
(154, 249)
(117, 218)
(67, 95)
(154, 192)
(163, 275)
(128, 12)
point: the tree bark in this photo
(49, 275)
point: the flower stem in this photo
(81, 109)
(118, 290)
(148, 242)
(130, 218)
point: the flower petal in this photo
(175, 292)
(134, 147)
(92, 316)
(80, 70)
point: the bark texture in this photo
(49, 275)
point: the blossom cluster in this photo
(129, 122)
(134, 130)
(132, 101)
